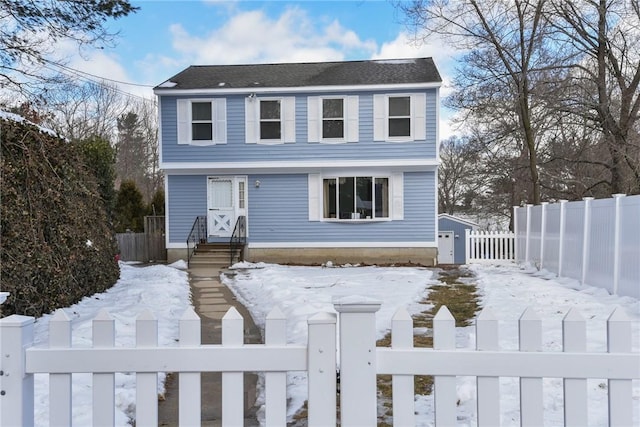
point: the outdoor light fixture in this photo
(252, 96)
(257, 183)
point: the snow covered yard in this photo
(506, 289)
(303, 291)
(163, 290)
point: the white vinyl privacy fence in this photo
(360, 362)
(594, 241)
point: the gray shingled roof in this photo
(350, 73)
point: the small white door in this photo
(221, 215)
(445, 247)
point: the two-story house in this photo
(326, 161)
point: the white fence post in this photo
(616, 244)
(620, 390)
(531, 404)
(467, 245)
(16, 386)
(322, 370)
(563, 213)
(189, 404)
(60, 384)
(232, 382)
(543, 230)
(574, 339)
(358, 389)
(275, 382)
(516, 230)
(586, 238)
(402, 385)
(147, 382)
(103, 384)
(445, 397)
(488, 387)
(528, 234)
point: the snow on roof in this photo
(457, 219)
(19, 119)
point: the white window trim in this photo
(400, 138)
(218, 121)
(260, 120)
(396, 196)
(344, 120)
(350, 117)
(287, 120)
(417, 130)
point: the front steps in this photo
(212, 255)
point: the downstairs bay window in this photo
(355, 198)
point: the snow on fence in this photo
(360, 362)
(593, 241)
(489, 246)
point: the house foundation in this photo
(314, 256)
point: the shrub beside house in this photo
(56, 242)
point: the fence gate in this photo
(489, 246)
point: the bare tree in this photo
(602, 37)
(459, 178)
(507, 59)
(29, 26)
(82, 111)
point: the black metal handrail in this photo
(198, 234)
(238, 238)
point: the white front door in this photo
(445, 247)
(226, 200)
(221, 215)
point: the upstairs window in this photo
(399, 116)
(270, 120)
(202, 121)
(333, 118)
(356, 198)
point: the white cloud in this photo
(254, 37)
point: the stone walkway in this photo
(211, 300)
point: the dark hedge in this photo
(56, 243)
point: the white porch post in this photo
(358, 392)
(16, 386)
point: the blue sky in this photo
(166, 36)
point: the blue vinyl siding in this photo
(278, 211)
(187, 198)
(459, 243)
(236, 150)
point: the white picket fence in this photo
(360, 362)
(489, 246)
(593, 241)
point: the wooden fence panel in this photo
(147, 246)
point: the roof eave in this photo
(296, 89)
